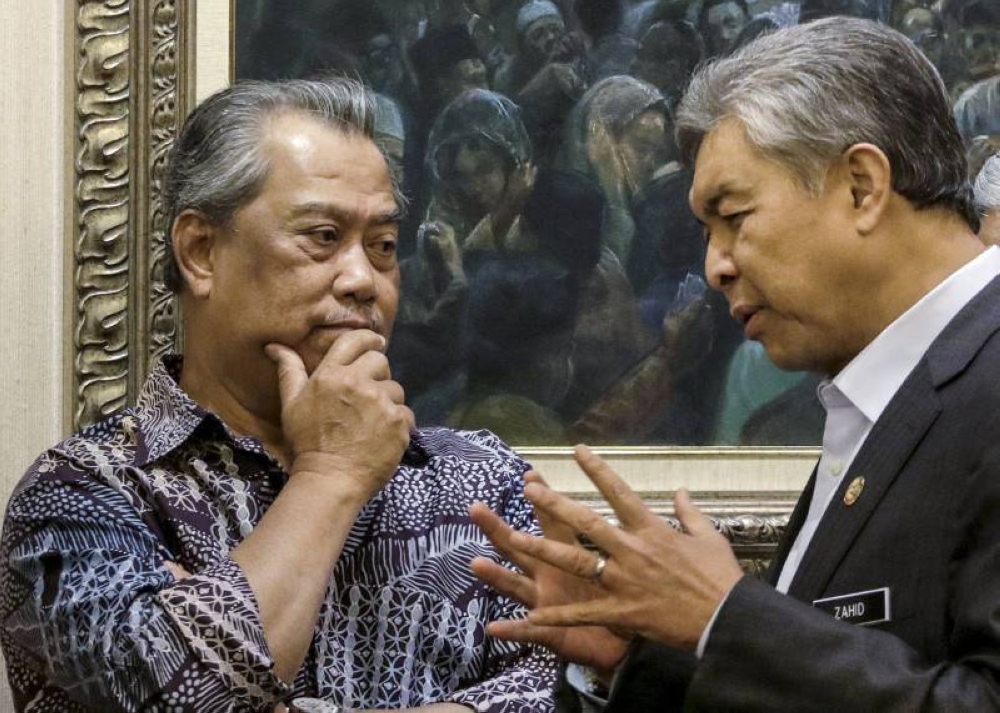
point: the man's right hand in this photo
(346, 420)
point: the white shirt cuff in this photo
(703, 639)
(581, 678)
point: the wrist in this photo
(320, 473)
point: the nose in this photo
(720, 269)
(355, 274)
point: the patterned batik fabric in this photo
(92, 620)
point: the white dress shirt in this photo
(855, 398)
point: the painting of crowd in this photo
(553, 287)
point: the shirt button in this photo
(836, 468)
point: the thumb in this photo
(292, 376)
(692, 519)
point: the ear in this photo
(194, 238)
(870, 177)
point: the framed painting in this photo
(534, 140)
(553, 285)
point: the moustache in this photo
(361, 317)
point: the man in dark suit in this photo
(831, 181)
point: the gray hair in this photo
(987, 187)
(805, 94)
(217, 166)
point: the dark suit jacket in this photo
(927, 525)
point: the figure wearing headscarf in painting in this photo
(668, 53)
(618, 134)
(478, 156)
(479, 161)
(671, 392)
(446, 63)
(425, 350)
(720, 23)
(562, 222)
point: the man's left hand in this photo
(658, 582)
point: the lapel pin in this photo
(854, 491)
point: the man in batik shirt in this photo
(265, 522)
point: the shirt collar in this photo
(874, 376)
(166, 415)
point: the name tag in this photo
(862, 608)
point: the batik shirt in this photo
(93, 620)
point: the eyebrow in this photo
(389, 217)
(726, 190)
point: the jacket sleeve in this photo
(653, 676)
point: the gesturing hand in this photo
(541, 585)
(658, 582)
(347, 419)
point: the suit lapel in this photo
(880, 460)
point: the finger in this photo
(499, 533)
(573, 559)
(372, 364)
(628, 506)
(590, 613)
(408, 417)
(521, 630)
(580, 518)
(551, 527)
(401, 417)
(292, 374)
(394, 391)
(509, 583)
(533, 476)
(692, 519)
(351, 345)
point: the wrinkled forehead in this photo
(726, 164)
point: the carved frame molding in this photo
(133, 70)
(753, 522)
(131, 67)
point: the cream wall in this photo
(33, 109)
(32, 207)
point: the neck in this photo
(243, 392)
(928, 249)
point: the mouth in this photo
(348, 324)
(746, 316)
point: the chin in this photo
(786, 360)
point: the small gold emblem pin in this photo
(854, 491)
